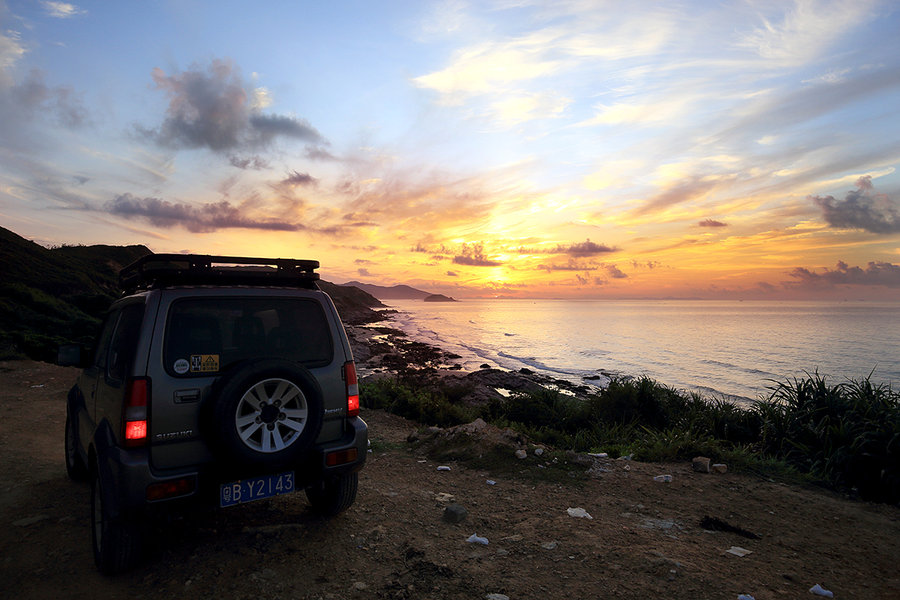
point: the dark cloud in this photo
(473, 255)
(577, 249)
(255, 163)
(614, 272)
(862, 209)
(297, 178)
(452, 274)
(199, 219)
(585, 248)
(876, 273)
(212, 109)
(711, 223)
(363, 272)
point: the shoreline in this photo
(382, 350)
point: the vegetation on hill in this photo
(54, 296)
(846, 436)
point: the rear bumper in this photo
(129, 474)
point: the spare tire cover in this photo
(267, 412)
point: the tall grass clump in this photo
(846, 434)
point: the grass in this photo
(845, 435)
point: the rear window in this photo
(205, 336)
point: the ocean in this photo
(723, 349)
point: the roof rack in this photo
(165, 270)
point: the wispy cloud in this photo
(204, 218)
(62, 10)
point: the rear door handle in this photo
(183, 396)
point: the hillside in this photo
(396, 292)
(53, 296)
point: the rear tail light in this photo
(137, 396)
(352, 389)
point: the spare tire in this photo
(267, 413)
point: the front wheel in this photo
(116, 541)
(333, 496)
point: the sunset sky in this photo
(744, 149)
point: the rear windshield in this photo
(207, 335)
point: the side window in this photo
(101, 350)
(123, 345)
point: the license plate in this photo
(256, 488)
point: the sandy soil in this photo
(644, 539)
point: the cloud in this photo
(576, 249)
(861, 209)
(688, 190)
(62, 10)
(297, 178)
(212, 109)
(585, 248)
(256, 163)
(205, 218)
(572, 265)
(473, 256)
(31, 101)
(711, 223)
(614, 272)
(876, 273)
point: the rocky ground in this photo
(626, 536)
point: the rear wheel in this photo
(333, 496)
(268, 413)
(75, 467)
(116, 541)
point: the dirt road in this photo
(644, 539)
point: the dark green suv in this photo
(214, 379)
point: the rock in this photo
(550, 545)
(578, 513)
(521, 454)
(444, 497)
(719, 468)
(701, 464)
(455, 513)
(538, 451)
(496, 597)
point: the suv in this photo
(212, 383)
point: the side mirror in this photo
(72, 355)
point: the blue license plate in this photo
(256, 488)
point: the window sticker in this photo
(204, 363)
(181, 366)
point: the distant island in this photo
(439, 298)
